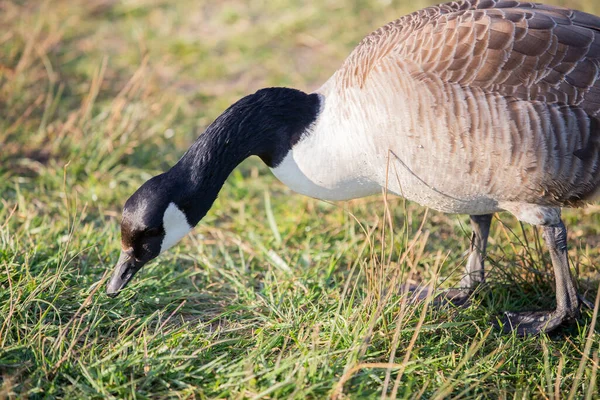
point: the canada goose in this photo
(474, 107)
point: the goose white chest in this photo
(334, 159)
(352, 152)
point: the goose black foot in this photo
(455, 297)
(534, 322)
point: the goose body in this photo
(417, 110)
(473, 107)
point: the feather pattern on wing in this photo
(524, 50)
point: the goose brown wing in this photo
(519, 49)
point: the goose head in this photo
(165, 208)
(152, 223)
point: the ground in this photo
(274, 295)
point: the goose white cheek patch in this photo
(175, 225)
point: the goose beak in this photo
(124, 270)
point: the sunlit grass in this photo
(273, 295)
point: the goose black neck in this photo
(266, 124)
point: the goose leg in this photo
(567, 301)
(474, 273)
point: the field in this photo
(273, 295)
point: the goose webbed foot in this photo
(534, 322)
(456, 297)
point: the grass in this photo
(273, 295)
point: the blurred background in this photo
(274, 294)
